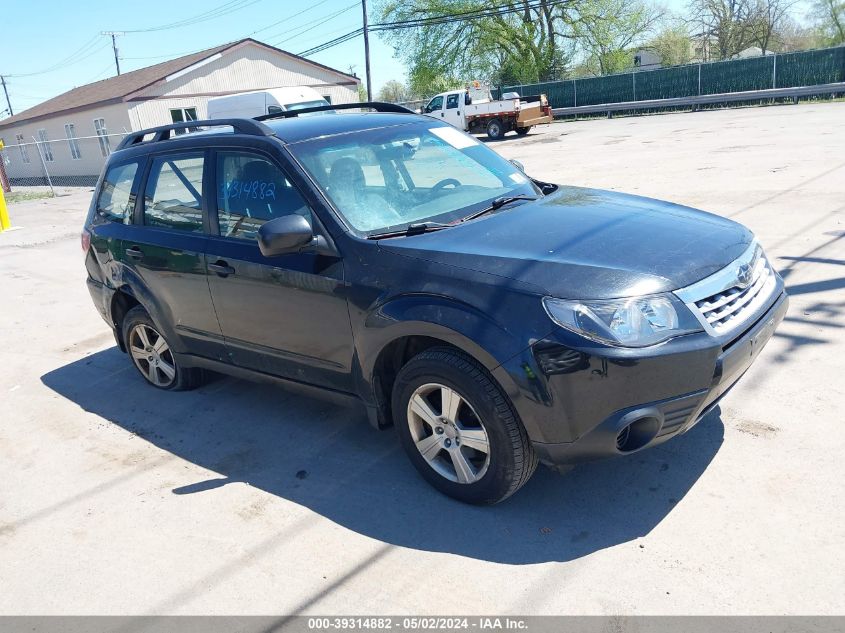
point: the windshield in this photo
(306, 104)
(385, 179)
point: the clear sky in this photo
(40, 35)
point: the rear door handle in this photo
(221, 268)
(134, 252)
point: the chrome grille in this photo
(729, 299)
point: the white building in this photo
(71, 134)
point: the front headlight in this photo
(630, 322)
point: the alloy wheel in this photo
(152, 355)
(448, 433)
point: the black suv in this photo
(388, 259)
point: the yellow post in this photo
(4, 213)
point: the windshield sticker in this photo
(456, 139)
(518, 178)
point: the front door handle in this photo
(221, 268)
(135, 253)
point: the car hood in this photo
(587, 244)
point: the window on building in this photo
(103, 136)
(116, 201)
(46, 148)
(250, 191)
(173, 196)
(72, 142)
(178, 115)
(22, 147)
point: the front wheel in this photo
(459, 429)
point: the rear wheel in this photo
(151, 354)
(495, 129)
(459, 429)
(522, 131)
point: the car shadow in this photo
(327, 458)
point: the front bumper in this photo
(654, 422)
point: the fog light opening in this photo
(637, 434)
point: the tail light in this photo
(85, 237)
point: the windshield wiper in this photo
(416, 228)
(497, 204)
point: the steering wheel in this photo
(445, 183)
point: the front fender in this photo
(449, 320)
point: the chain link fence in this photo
(783, 70)
(36, 164)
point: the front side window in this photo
(173, 194)
(103, 136)
(250, 191)
(435, 104)
(46, 148)
(72, 142)
(22, 147)
(179, 115)
(116, 200)
(388, 178)
(451, 102)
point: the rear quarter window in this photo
(116, 199)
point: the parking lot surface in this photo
(116, 498)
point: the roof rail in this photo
(378, 106)
(162, 132)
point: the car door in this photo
(165, 252)
(453, 109)
(434, 108)
(285, 315)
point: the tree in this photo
(394, 92)
(770, 18)
(730, 24)
(672, 45)
(608, 28)
(829, 16)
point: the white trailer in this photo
(495, 117)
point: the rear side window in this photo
(451, 102)
(250, 191)
(173, 195)
(116, 199)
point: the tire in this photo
(495, 129)
(522, 131)
(151, 355)
(483, 413)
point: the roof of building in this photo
(116, 88)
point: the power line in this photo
(224, 9)
(67, 61)
(290, 17)
(316, 23)
(430, 21)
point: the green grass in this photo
(21, 196)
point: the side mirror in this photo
(287, 234)
(518, 165)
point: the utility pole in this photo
(114, 46)
(367, 52)
(6, 91)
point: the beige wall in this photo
(246, 68)
(91, 160)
